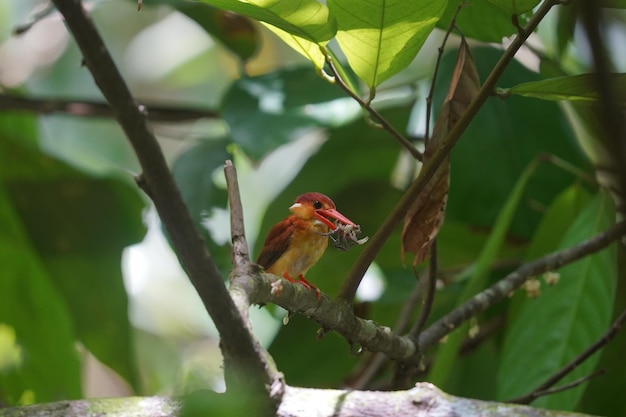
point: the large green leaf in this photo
(194, 172)
(557, 220)
(479, 19)
(555, 223)
(307, 19)
(77, 227)
(574, 313)
(308, 49)
(515, 7)
(49, 368)
(235, 32)
(331, 356)
(498, 145)
(381, 38)
(444, 361)
(267, 111)
(581, 87)
(615, 4)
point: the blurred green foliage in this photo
(68, 205)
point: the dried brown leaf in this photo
(425, 216)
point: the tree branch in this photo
(422, 400)
(86, 108)
(240, 348)
(330, 314)
(240, 252)
(338, 315)
(500, 290)
(350, 285)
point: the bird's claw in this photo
(300, 280)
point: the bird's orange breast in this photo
(293, 246)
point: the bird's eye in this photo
(317, 205)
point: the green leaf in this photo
(235, 32)
(565, 26)
(194, 172)
(49, 369)
(19, 126)
(501, 136)
(581, 87)
(613, 4)
(307, 19)
(78, 227)
(555, 223)
(331, 355)
(515, 7)
(479, 19)
(382, 38)
(267, 111)
(575, 312)
(445, 358)
(557, 220)
(309, 50)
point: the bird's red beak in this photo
(325, 214)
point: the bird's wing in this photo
(276, 243)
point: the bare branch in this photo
(86, 108)
(555, 390)
(422, 400)
(338, 315)
(240, 348)
(429, 296)
(240, 252)
(330, 314)
(349, 287)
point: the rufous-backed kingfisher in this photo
(296, 243)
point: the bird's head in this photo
(317, 206)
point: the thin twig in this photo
(240, 251)
(350, 285)
(597, 345)
(569, 168)
(429, 296)
(36, 17)
(87, 108)
(369, 372)
(373, 112)
(431, 93)
(242, 352)
(501, 290)
(486, 331)
(536, 394)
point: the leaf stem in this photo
(376, 116)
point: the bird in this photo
(297, 242)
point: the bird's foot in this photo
(304, 282)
